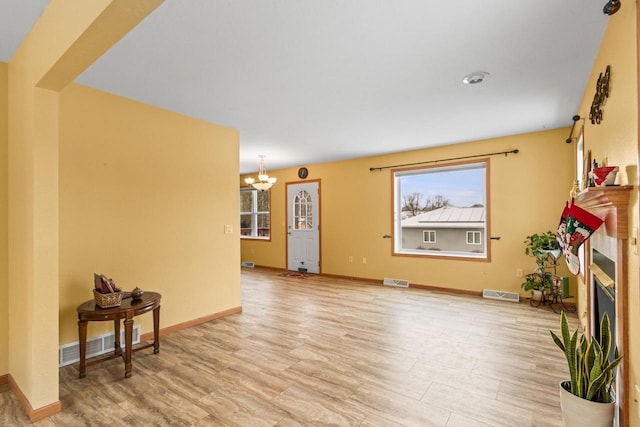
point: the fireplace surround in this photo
(603, 295)
(605, 276)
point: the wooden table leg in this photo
(128, 346)
(156, 330)
(117, 349)
(82, 336)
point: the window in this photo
(255, 218)
(473, 237)
(302, 211)
(583, 163)
(449, 201)
(429, 236)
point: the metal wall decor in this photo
(600, 97)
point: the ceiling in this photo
(310, 81)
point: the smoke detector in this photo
(475, 78)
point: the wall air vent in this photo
(398, 283)
(102, 344)
(501, 295)
(247, 264)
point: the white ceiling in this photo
(309, 81)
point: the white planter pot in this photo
(578, 412)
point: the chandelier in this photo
(264, 182)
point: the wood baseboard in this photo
(267, 267)
(4, 379)
(411, 285)
(33, 414)
(175, 328)
(359, 279)
(447, 290)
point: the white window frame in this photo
(254, 215)
(426, 233)
(483, 254)
(473, 235)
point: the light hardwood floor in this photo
(326, 351)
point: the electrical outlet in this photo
(228, 229)
(518, 272)
(364, 259)
(350, 259)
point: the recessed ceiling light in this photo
(475, 78)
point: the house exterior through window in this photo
(447, 201)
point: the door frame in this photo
(287, 215)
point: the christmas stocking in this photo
(579, 226)
(563, 225)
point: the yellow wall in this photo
(616, 140)
(144, 197)
(65, 40)
(33, 233)
(528, 191)
(4, 284)
(100, 183)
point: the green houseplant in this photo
(536, 281)
(540, 246)
(586, 399)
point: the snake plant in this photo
(592, 374)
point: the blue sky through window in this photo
(462, 187)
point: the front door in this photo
(303, 227)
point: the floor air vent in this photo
(501, 295)
(70, 353)
(247, 264)
(398, 283)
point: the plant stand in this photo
(557, 304)
(553, 296)
(541, 300)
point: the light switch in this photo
(228, 229)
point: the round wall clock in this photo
(303, 173)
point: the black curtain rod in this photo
(575, 120)
(516, 151)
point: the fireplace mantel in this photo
(612, 205)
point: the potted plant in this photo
(586, 399)
(540, 246)
(537, 282)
